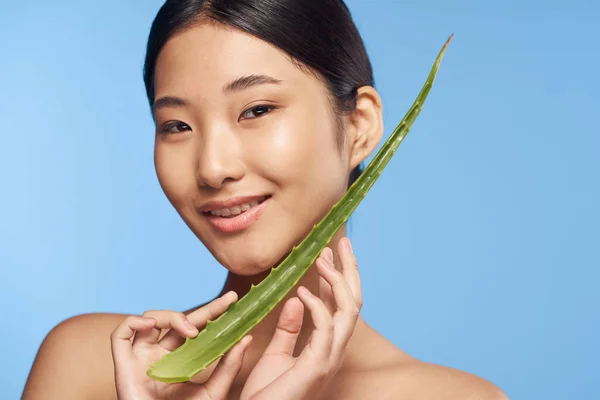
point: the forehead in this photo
(210, 54)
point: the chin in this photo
(249, 265)
(252, 259)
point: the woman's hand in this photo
(132, 358)
(278, 374)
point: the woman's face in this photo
(237, 121)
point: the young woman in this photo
(264, 111)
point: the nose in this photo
(219, 159)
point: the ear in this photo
(365, 125)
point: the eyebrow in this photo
(169, 101)
(237, 85)
(247, 81)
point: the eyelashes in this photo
(174, 127)
(170, 127)
(260, 109)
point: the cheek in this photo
(296, 149)
(301, 158)
(174, 173)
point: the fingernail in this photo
(329, 254)
(349, 246)
(303, 290)
(230, 297)
(247, 345)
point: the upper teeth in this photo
(232, 211)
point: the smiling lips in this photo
(236, 214)
(236, 210)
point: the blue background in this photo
(478, 246)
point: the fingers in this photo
(213, 309)
(341, 291)
(198, 318)
(340, 295)
(287, 329)
(120, 338)
(347, 293)
(322, 335)
(325, 288)
(175, 321)
(350, 269)
(219, 383)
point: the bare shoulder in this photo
(74, 360)
(427, 380)
(415, 380)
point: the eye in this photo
(174, 127)
(257, 111)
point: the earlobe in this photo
(367, 125)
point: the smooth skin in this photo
(274, 136)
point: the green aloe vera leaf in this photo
(224, 332)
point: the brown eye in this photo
(256, 111)
(175, 127)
